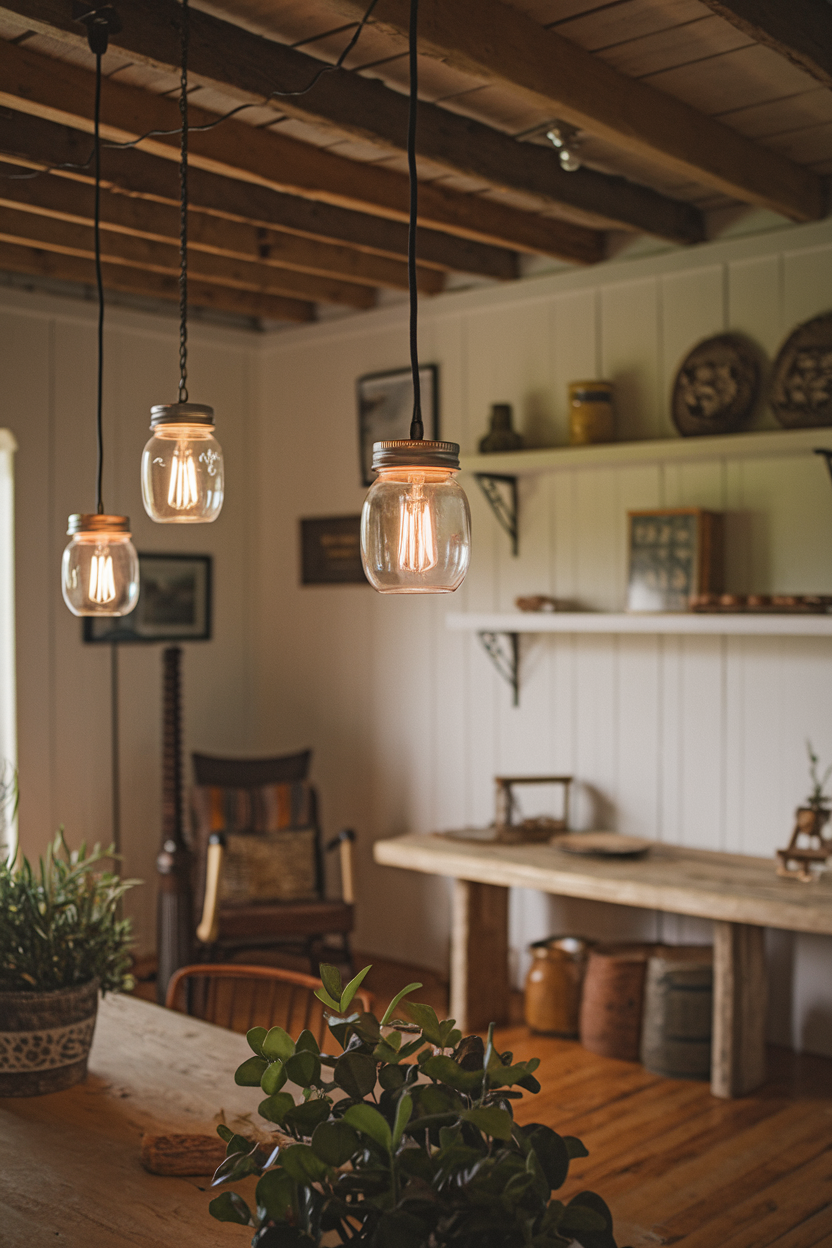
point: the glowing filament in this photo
(102, 580)
(182, 489)
(417, 541)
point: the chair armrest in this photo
(344, 841)
(209, 924)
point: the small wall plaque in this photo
(674, 555)
(330, 551)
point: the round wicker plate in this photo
(601, 844)
(801, 385)
(716, 386)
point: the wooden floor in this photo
(676, 1165)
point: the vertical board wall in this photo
(695, 740)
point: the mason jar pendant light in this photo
(415, 525)
(182, 467)
(100, 567)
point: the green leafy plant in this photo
(405, 1139)
(59, 923)
(817, 798)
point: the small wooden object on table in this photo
(796, 861)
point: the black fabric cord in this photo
(183, 215)
(100, 284)
(417, 431)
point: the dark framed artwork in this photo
(174, 603)
(385, 409)
(330, 551)
(675, 555)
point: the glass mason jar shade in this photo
(415, 526)
(100, 567)
(182, 468)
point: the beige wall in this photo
(698, 741)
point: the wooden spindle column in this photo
(174, 927)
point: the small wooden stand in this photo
(795, 862)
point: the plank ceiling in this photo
(279, 230)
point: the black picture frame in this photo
(330, 551)
(385, 409)
(175, 604)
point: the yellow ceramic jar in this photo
(591, 416)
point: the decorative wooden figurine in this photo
(796, 861)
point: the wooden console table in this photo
(741, 895)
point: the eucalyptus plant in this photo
(406, 1139)
(818, 798)
(59, 923)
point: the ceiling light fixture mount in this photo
(100, 567)
(415, 524)
(182, 463)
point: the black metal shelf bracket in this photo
(501, 492)
(827, 455)
(503, 649)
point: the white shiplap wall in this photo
(693, 740)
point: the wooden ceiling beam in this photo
(247, 67)
(37, 262)
(72, 201)
(58, 91)
(800, 30)
(35, 230)
(139, 175)
(499, 44)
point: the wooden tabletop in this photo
(70, 1172)
(708, 884)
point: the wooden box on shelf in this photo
(674, 554)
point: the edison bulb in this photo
(100, 567)
(182, 465)
(415, 526)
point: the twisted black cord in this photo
(183, 215)
(99, 282)
(417, 431)
(209, 125)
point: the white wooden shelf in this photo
(742, 624)
(728, 446)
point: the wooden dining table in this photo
(70, 1162)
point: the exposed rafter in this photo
(61, 92)
(247, 67)
(800, 30)
(135, 281)
(28, 140)
(35, 230)
(501, 45)
(129, 215)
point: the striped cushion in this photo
(269, 808)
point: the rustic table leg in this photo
(479, 955)
(738, 1064)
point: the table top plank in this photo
(70, 1168)
(707, 884)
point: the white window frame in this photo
(8, 681)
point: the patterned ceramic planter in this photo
(45, 1039)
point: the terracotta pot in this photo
(553, 985)
(613, 997)
(45, 1039)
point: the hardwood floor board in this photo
(814, 1230)
(680, 1186)
(760, 1220)
(650, 1120)
(644, 1104)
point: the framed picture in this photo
(385, 409)
(674, 555)
(330, 551)
(174, 603)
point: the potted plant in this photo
(818, 799)
(61, 941)
(406, 1139)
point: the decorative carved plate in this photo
(801, 386)
(716, 386)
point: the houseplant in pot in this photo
(404, 1139)
(61, 942)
